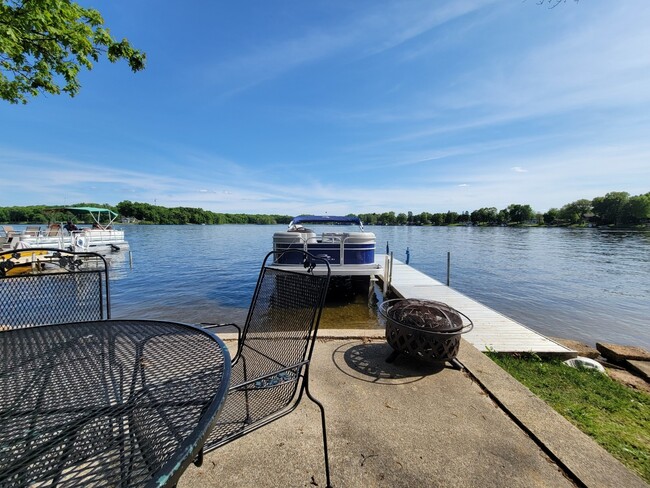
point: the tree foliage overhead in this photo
(45, 43)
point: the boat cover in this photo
(84, 210)
(325, 218)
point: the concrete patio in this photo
(412, 425)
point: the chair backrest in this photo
(284, 315)
(47, 286)
(32, 230)
(54, 230)
(8, 230)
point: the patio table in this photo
(111, 403)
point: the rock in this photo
(582, 349)
(640, 367)
(617, 353)
(628, 379)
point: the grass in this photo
(615, 416)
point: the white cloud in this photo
(366, 34)
(519, 169)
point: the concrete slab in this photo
(407, 424)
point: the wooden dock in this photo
(492, 330)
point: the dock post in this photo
(448, 266)
(390, 275)
(408, 255)
(387, 248)
(388, 271)
(130, 260)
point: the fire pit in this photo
(424, 329)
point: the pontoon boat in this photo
(348, 253)
(100, 238)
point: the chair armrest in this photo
(210, 326)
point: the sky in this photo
(336, 107)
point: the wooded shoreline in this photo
(617, 209)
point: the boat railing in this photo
(102, 235)
(339, 248)
(340, 238)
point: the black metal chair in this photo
(48, 286)
(270, 371)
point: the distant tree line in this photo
(139, 212)
(155, 214)
(615, 208)
(514, 213)
(33, 214)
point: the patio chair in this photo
(47, 286)
(32, 230)
(54, 230)
(9, 231)
(270, 371)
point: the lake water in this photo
(585, 284)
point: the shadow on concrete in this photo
(367, 362)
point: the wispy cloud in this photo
(561, 175)
(362, 34)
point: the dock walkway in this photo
(492, 330)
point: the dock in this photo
(492, 330)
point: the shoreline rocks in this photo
(619, 354)
(629, 365)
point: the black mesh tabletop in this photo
(107, 403)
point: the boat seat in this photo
(54, 230)
(333, 236)
(9, 230)
(32, 230)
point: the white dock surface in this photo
(492, 330)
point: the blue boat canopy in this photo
(332, 219)
(326, 219)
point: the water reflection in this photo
(587, 284)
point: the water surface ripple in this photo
(587, 284)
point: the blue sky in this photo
(336, 106)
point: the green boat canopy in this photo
(96, 213)
(93, 210)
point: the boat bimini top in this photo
(324, 219)
(97, 213)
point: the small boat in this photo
(348, 253)
(101, 237)
(13, 263)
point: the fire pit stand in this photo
(424, 329)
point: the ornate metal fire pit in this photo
(424, 329)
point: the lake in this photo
(584, 284)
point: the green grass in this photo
(615, 416)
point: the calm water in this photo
(587, 284)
